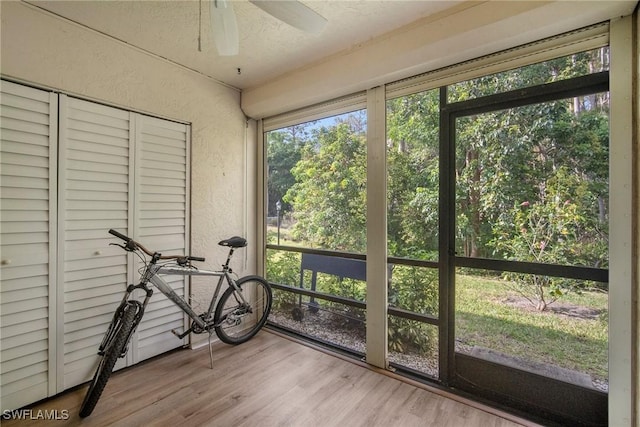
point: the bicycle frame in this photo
(164, 287)
(151, 274)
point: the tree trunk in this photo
(474, 201)
(602, 214)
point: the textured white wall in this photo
(48, 51)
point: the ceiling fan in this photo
(294, 13)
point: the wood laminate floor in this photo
(268, 381)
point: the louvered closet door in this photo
(162, 212)
(27, 217)
(94, 197)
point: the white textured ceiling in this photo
(268, 47)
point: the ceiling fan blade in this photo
(224, 27)
(293, 13)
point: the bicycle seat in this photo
(234, 242)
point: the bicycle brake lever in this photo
(127, 247)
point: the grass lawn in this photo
(571, 333)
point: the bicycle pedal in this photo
(180, 335)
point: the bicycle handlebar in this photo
(120, 235)
(132, 245)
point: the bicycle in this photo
(240, 313)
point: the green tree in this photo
(545, 231)
(503, 156)
(283, 153)
(329, 194)
(412, 184)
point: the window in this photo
(532, 188)
(413, 173)
(317, 200)
(497, 225)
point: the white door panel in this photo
(28, 146)
(94, 179)
(162, 185)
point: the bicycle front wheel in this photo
(241, 314)
(112, 351)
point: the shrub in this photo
(414, 289)
(549, 230)
(283, 268)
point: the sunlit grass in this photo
(571, 333)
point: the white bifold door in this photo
(125, 171)
(94, 189)
(28, 149)
(72, 170)
(161, 214)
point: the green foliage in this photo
(503, 157)
(414, 289)
(283, 268)
(412, 185)
(350, 317)
(283, 153)
(348, 288)
(329, 195)
(410, 336)
(545, 231)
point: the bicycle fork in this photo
(115, 322)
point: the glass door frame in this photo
(532, 393)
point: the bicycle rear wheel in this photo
(236, 322)
(112, 351)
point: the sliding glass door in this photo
(525, 240)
